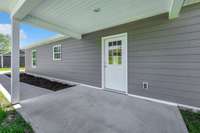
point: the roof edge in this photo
(46, 41)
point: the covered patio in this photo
(75, 18)
(83, 109)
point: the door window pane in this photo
(119, 60)
(110, 44)
(115, 52)
(119, 43)
(114, 43)
(115, 56)
(110, 54)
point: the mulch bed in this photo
(42, 82)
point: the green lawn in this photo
(192, 121)
(10, 120)
(4, 69)
(8, 69)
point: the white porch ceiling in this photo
(77, 17)
(7, 5)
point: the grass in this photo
(3, 101)
(4, 69)
(10, 120)
(192, 120)
(9, 69)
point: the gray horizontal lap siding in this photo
(165, 53)
(7, 61)
(80, 62)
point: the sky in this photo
(28, 34)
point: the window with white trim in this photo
(57, 52)
(34, 58)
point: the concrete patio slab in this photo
(87, 110)
(26, 91)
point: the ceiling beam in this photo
(53, 27)
(23, 7)
(175, 8)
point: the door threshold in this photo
(115, 91)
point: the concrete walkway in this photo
(86, 110)
(26, 91)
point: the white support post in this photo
(2, 61)
(15, 85)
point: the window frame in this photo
(60, 52)
(32, 59)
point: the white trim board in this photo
(128, 94)
(103, 58)
(165, 102)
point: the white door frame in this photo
(103, 59)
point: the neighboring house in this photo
(154, 57)
(5, 60)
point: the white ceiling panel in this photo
(7, 5)
(79, 15)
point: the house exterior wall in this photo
(22, 61)
(81, 61)
(163, 52)
(7, 61)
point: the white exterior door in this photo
(115, 62)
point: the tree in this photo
(4, 44)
